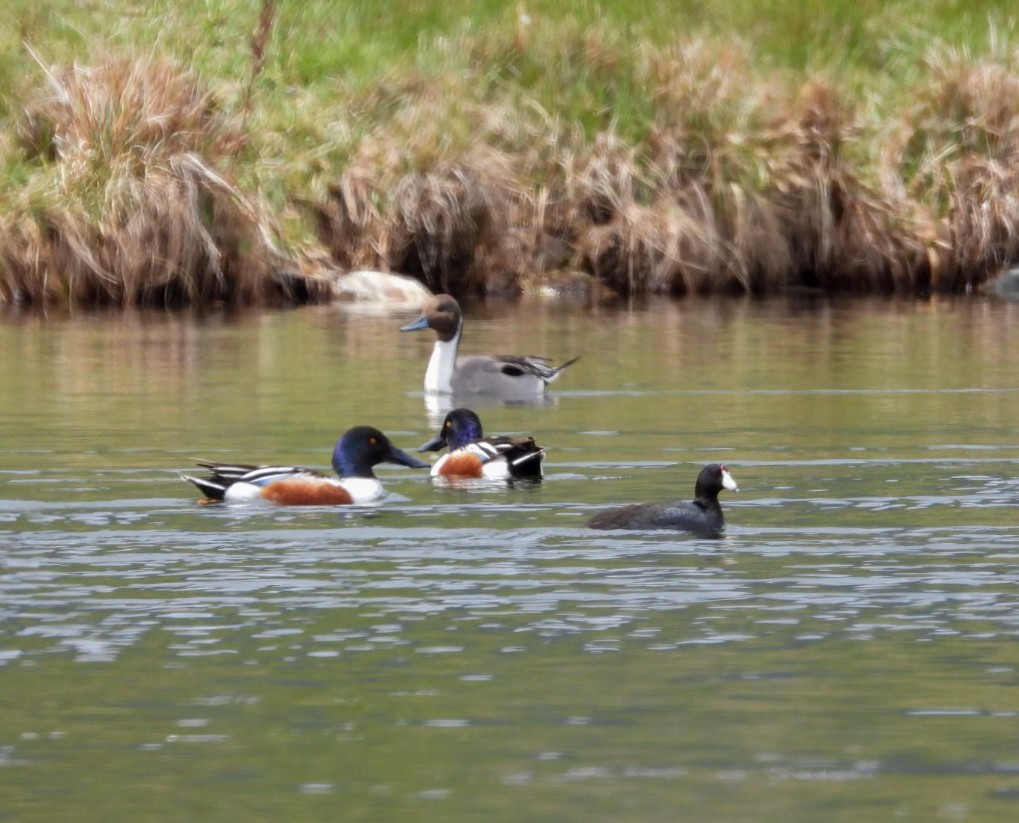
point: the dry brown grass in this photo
(966, 136)
(132, 203)
(457, 225)
(741, 183)
(735, 181)
(737, 188)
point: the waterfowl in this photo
(702, 515)
(507, 376)
(471, 454)
(356, 453)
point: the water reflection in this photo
(437, 406)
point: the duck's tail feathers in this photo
(553, 373)
(209, 487)
(525, 459)
(539, 454)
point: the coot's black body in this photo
(701, 516)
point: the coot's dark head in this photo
(712, 480)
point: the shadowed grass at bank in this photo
(201, 153)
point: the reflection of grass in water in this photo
(670, 148)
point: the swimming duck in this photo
(508, 376)
(702, 515)
(356, 453)
(471, 454)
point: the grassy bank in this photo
(229, 151)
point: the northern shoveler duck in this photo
(471, 454)
(702, 515)
(506, 376)
(356, 453)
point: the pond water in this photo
(847, 652)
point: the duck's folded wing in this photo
(540, 367)
(228, 473)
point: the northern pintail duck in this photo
(471, 454)
(356, 453)
(507, 376)
(702, 515)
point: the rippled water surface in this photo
(847, 652)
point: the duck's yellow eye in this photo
(372, 440)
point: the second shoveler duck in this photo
(701, 516)
(356, 454)
(471, 454)
(509, 377)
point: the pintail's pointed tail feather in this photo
(559, 369)
(548, 372)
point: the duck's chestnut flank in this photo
(356, 454)
(471, 454)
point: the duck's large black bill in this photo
(402, 458)
(433, 445)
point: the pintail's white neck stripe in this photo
(442, 364)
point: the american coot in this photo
(471, 454)
(505, 376)
(361, 448)
(702, 515)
